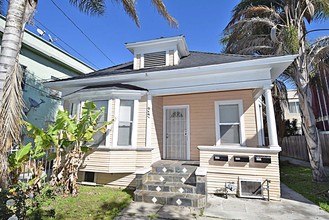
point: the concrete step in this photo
(170, 166)
(172, 178)
(170, 198)
(169, 187)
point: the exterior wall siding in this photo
(202, 116)
(157, 128)
(221, 172)
(141, 130)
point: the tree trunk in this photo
(308, 119)
(19, 12)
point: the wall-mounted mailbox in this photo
(241, 159)
(262, 159)
(220, 157)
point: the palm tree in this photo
(279, 27)
(18, 14)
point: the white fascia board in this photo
(208, 88)
(155, 42)
(44, 47)
(233, 67)
(104, 94)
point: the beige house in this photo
(195, 108)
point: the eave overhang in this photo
(249, 74)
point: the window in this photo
(294, 107)
(89, 177)
(228, 122)
(99, 137)
(126, 117)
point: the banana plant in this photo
(70, 139)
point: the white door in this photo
(176, 133)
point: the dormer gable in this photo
(159, 52)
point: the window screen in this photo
(294, 107)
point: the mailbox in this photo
(262, 159)
(220, 157)
(241, 159)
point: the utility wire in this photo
(81, 31)
(56, 36)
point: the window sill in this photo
(241, 149)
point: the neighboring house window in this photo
(126, 117)
(294, 107)
(229, 122)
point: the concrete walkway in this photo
(292, 206)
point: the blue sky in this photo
(202, 23)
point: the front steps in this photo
(172, 183)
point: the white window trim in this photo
(188, 129)
(242, 125)
(116, 124)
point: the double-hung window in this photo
(99, 137)
(126, 118)
(229, 125)
(294, 107)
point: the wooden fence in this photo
(295, 146)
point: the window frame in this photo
(134, 124)
(78, 113)
(238, 102)
(296, 106)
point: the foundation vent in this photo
(250, 188)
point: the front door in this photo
(176, 133)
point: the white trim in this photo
(187, 127)
(270, 118)
(235, 149)
(259, 121)
(149, 119)
(239, 102)
(272, 64)
(135, 123)
(108, 127)
(116, 123)
(105, 94)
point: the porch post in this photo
(149, 115)
(271, 125)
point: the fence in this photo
(295, 146)
(26, 173)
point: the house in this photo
(185, 123)
(292, 111)
(42, 61)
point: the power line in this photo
(44, 27)
(81, 31)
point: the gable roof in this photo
(194, 59)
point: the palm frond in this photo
(92, 7)
(159, 5)
(130, 8)
(11, 108)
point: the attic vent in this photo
(155, 59)
(171, 57)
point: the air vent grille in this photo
(154, 59)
